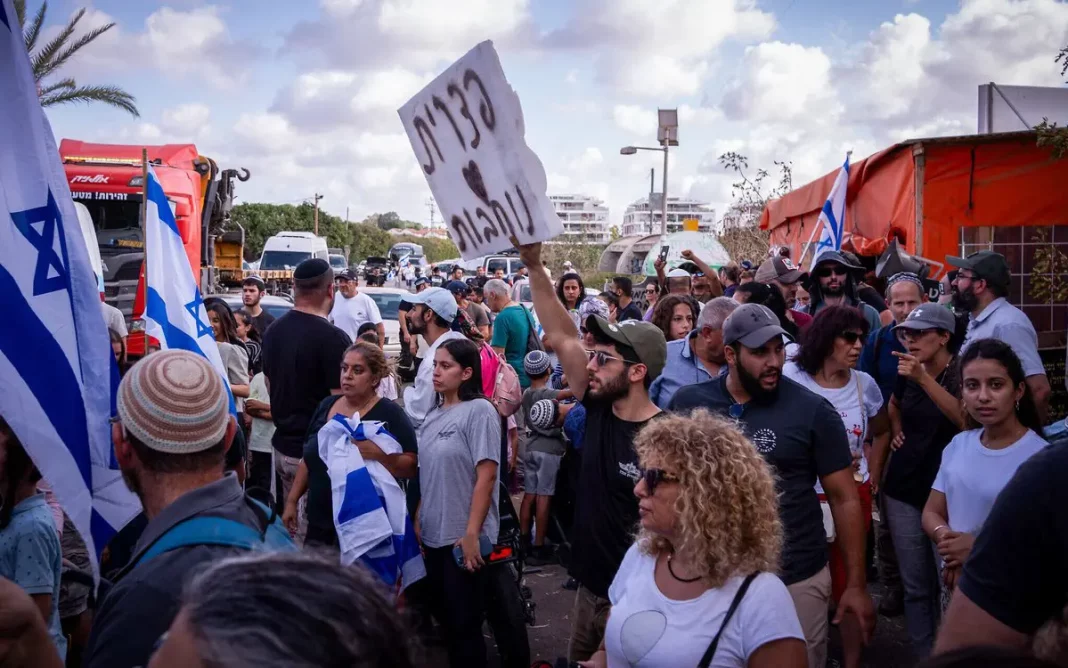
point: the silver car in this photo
(388, 301)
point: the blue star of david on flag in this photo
(44, 241)
(831, 220)
(194, 310)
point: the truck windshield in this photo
(282, 259)
(388, 303)
(338, 262)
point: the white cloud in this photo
(190, 119)
(782, 83)
(640, 121)
(659, 48)
(195, 43)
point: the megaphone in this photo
(895, 260)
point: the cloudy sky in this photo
(305, 94)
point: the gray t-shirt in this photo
(480, 315)
(551, 440)
(452, 441)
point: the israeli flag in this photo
(56, 364)
(833, 214)
(370, 509)
(174, 312)
(404, 261)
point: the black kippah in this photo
(312, 268)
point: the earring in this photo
(1017, 405)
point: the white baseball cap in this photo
(438, 300)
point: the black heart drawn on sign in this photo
(473, 176)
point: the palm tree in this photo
(53, 55)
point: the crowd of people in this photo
(705, 453)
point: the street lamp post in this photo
(667, 134)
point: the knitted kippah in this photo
(175, 402)
(536, 363)
(543, 414)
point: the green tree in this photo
(1050, 134)
(49, 58)
(262, 221)
(368, 240)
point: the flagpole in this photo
(144, 244)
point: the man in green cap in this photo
(980, 289)
(612, 381)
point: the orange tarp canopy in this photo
(925, 190)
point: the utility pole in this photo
(317, 198)
(430, 207)
(652, 176)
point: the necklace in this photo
(672, 572)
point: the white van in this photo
(286, 250)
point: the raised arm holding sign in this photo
(466, 128)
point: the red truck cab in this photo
(107, 179)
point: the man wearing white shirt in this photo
(114, 319)
(352, 309)
(431, 316)
(979, 289)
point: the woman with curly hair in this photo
(698, 587)
(676, 315)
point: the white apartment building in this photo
(636, 218)
(585, 218)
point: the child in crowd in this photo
(544, 448)
(261, 431)
(30, 555)
(387, 387)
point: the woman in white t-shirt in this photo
(698, 587)
(830, 348)
(978, 463)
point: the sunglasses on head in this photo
(653, 478)
(824, 272)
(851, 337)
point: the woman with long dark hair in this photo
(1004, 432)
(570, 290)
(676, 316)
(830, 348)
(30, 554)
(362, 368)
(231, 349)
(118, 347)
(460, 449)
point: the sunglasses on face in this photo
(653, 478)
(603, 358)
(851, 337)
(904, 335)
(824, 272)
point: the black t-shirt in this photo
(1016, 571)
(302, 361)
(320, 498)
(630, 312)
(871, 297)
(262, 321)
(801, 436)
(606, 510)
(927, 431)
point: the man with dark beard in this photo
(800, 435)
(171, 437)
(979, 289)
(832, 283)
(612, 381)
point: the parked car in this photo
(338, 263)
(388, 301)
(276, 306)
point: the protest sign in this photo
(466, 128)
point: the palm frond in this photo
(20, 12)
(65, 84)
(110, 95)
(62, 57)
(34, 31)
(43, 57)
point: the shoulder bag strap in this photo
(706, 660)
(863, 412)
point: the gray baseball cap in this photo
(752, 325)
(929, 316)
